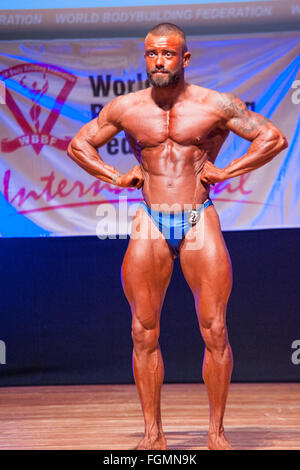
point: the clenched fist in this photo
(133, 179)
(211, 174)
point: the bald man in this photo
(176, 130)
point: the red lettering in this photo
(77, 188)
(61, 185)
(219, 187)
(48, 187)
(239, 187)
(23, 194)
(231, 187)
(6, 184)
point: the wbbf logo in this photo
(36, 81)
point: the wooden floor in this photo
(108, 417)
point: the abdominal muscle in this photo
(174, 180)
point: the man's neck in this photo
(166, 97)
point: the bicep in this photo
(100, 130)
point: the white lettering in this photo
(232, 12)
(107, 226)
(295, 358)
(2, 352)
(20, 19)
(149, 16)
(71, 18)
(296, 93)
(10, 19)
(24, 140)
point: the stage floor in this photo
(109, 417)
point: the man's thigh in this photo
(206, 263)
(147, 264)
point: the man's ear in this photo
(186, 58)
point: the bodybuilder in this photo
(176, 130)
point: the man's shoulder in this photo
(225, 104)
(210, 95)
(123, 102)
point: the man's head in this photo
(166, 55)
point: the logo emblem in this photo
(193, 216)
(40, 87)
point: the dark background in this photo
(65, 319)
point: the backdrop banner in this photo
(50, 89)
(111, 20)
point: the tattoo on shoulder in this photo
(265, 121)
(231, 105)
(236, 110)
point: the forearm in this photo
(87, 157)
(262, 150)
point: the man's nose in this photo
(159, 61)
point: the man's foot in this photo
(152, 443)
(218, 442)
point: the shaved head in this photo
(166, 55)
(169, 29)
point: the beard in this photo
(163, 81)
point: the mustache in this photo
(159, 70)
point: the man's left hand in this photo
(211, 174)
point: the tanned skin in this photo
(176, 132)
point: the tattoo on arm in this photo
(238, 118)
(267, 139)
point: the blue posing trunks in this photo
(175, 225)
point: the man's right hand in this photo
(133, 179)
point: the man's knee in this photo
(145, 334)
(215, 336)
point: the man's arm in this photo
(96, 133)
(267, 139)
